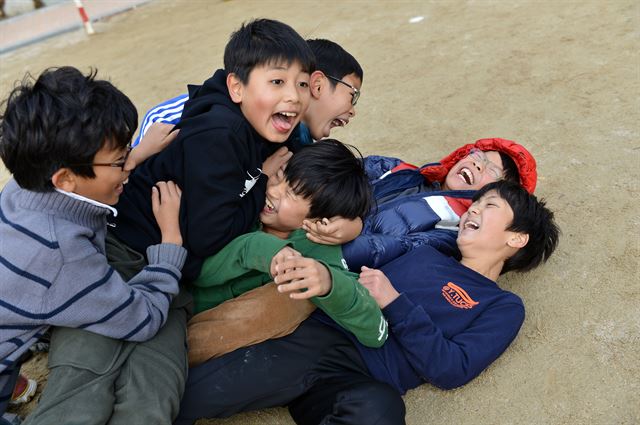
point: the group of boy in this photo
(63, 246)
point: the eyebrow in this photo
(490, 197)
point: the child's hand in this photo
(334, 231)
(379, 286)
(165, 202)
(303, 278)
(277, 161)
(158, 137)
(281, 257)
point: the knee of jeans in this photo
(84, 350)
(382, 404)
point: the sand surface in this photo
(562, 78)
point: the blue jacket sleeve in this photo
(451, 362)
(377, 249)
(376, 165)
(168, 112)
(373, 250)
(395, 228)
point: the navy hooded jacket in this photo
(216, 161)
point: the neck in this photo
(488, 268)
(275, 232)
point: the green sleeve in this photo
(248, 252)
(351, 306)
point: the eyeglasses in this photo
(356, 93)
(117, 164)
(494, 169)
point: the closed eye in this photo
(497, 175)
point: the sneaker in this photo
(24, 390)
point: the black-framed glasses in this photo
(117, 164)
(356, 93)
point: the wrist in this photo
(327, 280)
(172, 238)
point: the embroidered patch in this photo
(457, 297)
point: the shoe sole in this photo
(27, 394)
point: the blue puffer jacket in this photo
(411, 212)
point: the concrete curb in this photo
(40, 24)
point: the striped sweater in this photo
(53, 271)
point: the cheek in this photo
(488, 178)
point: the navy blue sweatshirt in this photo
(448, 324)
(215, 160)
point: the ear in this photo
(316, 83)
(518, 240)
(64, 179)
(235, 87)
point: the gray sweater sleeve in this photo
(89, 294)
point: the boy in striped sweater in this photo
(65, 139)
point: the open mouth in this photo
(284, 121)
(471, 225)
(339, 122)
(269, 206)
(466, 175)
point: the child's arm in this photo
(376, 166)
(252, 251)
(165, 203)
(223, 191)
(396, 227)
(334, 231)
(235, 269)
(159, 136)
(274, 165)
(377, 249)
(444, 361)
(89, 294)
(338, 293)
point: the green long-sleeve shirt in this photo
(244, 265)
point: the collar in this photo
(88, 200)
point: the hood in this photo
(212, 91)
(524, 161)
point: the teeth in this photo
(471, 225)
(467, 175)
(269, 204)
(288, 114)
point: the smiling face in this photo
(284, 210)
(108, 183)
(474, 171)
(330, 105)
(484, 225)
(274, 98)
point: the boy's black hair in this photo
(332, 177)
(262, 42)
(333, 60)
(509, 168)
(61, 119)
(530, 216)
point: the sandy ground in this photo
(560, 77)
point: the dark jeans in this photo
(316, 371)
